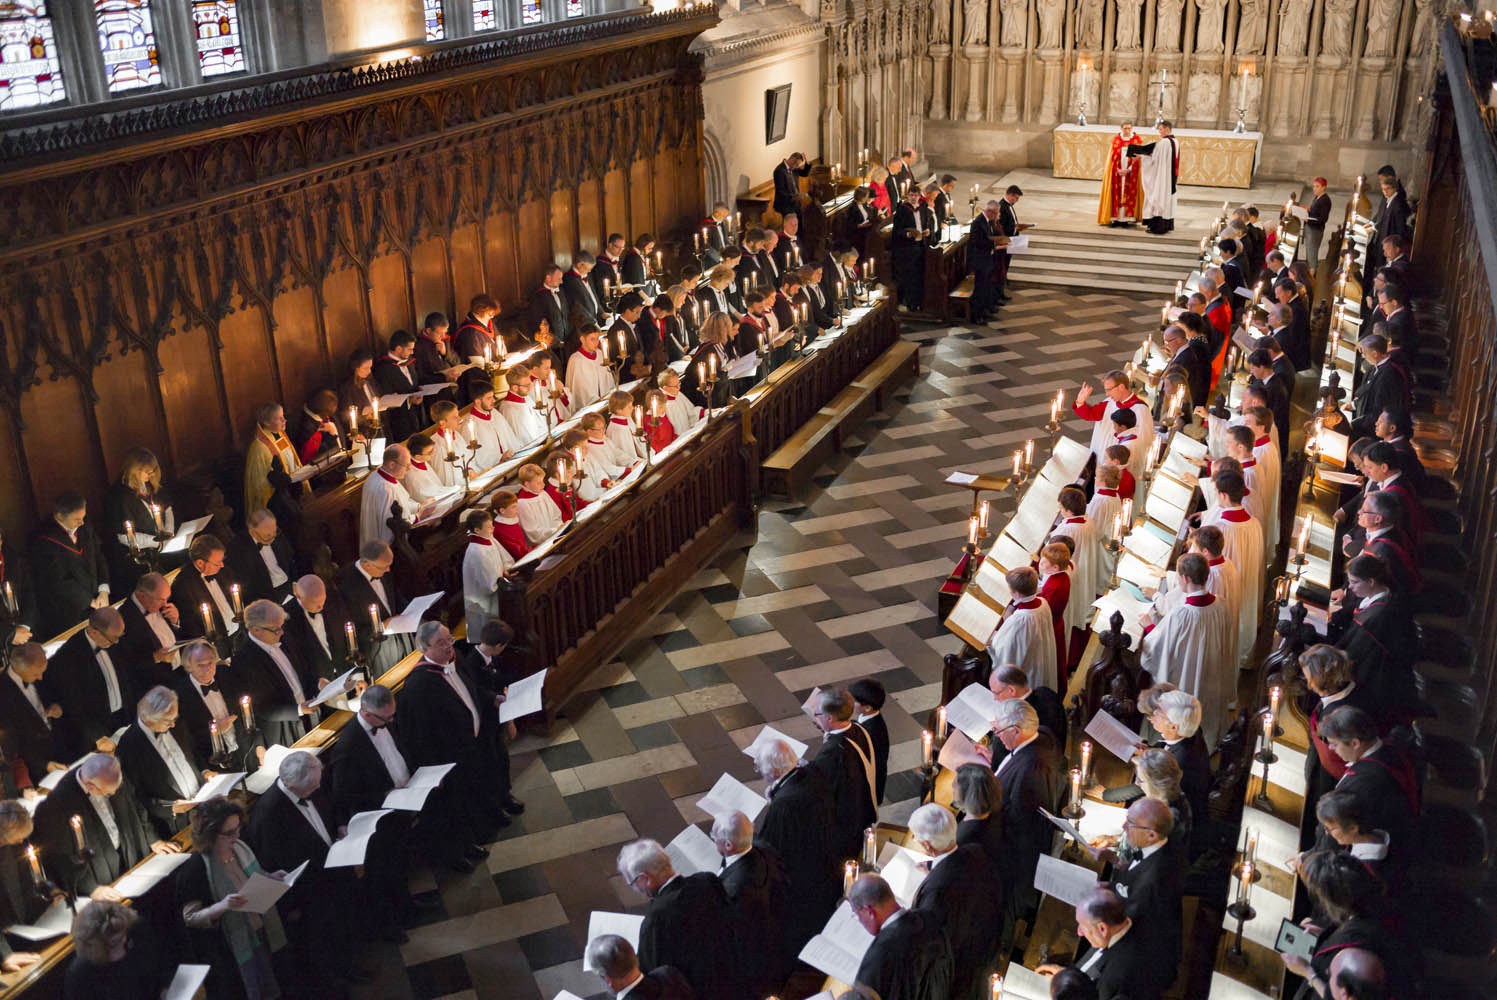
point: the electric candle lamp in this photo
(374, 618)
(1018, 464)
(982, 515)
(1086, 759)
(35, 863)
(1028, 455)
(941, 723)
(78, 842)
(207, 619)
(247, 712)
(925, 747)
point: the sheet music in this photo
(1338, 478)
(693, 851)
(839, 949)
(1288, 772)
(335, 687)
(743, 367)
(353, 846)
(222, 784)
(260, 891)
(184, 535)
(1066, 882)
(769, 733)
(1009, 554)
(524, 697)
(1171, 490)
(973, 620)
(1139, 573)
(600, 922)
(1188, 448)
(1018, 244)
(958, 750)
(406, 622)
(262, 779)
(1021, 983)
(55, 921)
(412, 797)
(186, 982)
(1031, 523)
(809, 705)
(899, 868)
(1119, 740)
(1122, 600)
(971, 711)
(1066, 827)
(730, 794)
(989, 580)
(1160, 509)
(1278, 839)
(1177, 465)
(1227, 988)
(961, 478)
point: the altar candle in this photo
(972, 530)
(348, 634)
(1274, 694)
(78, 842)
(156, 513)
(247, 712)
(35, 863)
(925, 748)
(1075, 786)
(237, 597)
(849, 876)
(374, 618)
(870, 846)
(207, 619)
(1028, 458)
(941, 723)
(1086, 759)
(1018, 464)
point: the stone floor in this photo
(839, 588)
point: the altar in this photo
(1208, 157)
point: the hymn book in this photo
(693, 851)
(55, 921)
(839, 949)
(260, 891)
(411, 797)
(990, 584)
(973, 620)
(730, 795)
(971, 711)
(958, 750)
(770, 733)
(1007, 554)
(406, 622)
(221, 784)
(335, 687)
(1020, 983)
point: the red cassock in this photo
(1122, 195)
(512, 537)
(1056, 590)
(663, 433)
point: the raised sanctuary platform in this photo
(1208, 157)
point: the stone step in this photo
(1139, 259)
(1096, 279)
(1114, 239)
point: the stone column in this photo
(1012, 65)
(1370, 86)
(940, 60)
(1329, 78)
(1051, 111)
(1289, 91)
(977, 64)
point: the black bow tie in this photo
(304, 803)
(205, 688)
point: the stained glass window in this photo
(485, 15)
(30, 74)
(530, 12)
(128, 41)
(575, 8)
(434, 27)
(216, 25)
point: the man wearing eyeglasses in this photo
(272, 674)
(846, 761)
(1152, 884)
(1031, 777)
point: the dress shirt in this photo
(319, 629)
(456, 683)
(1015, 751)
(389, 753)
(218, 708)
(159, 627)
(1097, 953)
(1368, 602)
(378, 586)
(730, 859)
(29, 690)
(309, 812)
(278, 575)
(630, 988)
(225, 609)
(111, 678)
(183, 776)
(1372, 851)
(106, 814)
(278, 654)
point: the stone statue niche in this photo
(1089, 15)
(1167, 25)
(1126, 34)
(1052, 17)
(1210, 21)
(1122, 96)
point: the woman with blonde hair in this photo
(878, 182)
(136, 498)
(114, 956)
(708, 365)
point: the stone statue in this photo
(1209, 25)
(1052, 13)
(1335, 34)
(975, 22)
(1382, 29)
(1202, 97)
(1294, 25)
(1419, 43)
(1015, 22)
(1167, 26)
(1089, 25)
(940, 23)
(1122, 95)
(1252, 26)
(1127, 25)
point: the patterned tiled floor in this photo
(840, 588)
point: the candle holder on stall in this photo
(928, 768)
(1074, 811)
(1241, 911)
(146, 558)
(542, 405)
(461, 463)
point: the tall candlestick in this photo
(1029, 454)
(1304, 534)
(925, 748)
(1274, 694)
(982, 515)
(129, 536)
(348, 634)
(237, 598)
(215, 739)
(972, 530)
(849, 876)
(78, 841)
(1268, 734)
(1086, 759)
(1018, 464)
(247, 712)
(870, 846)
(374, 618)
(1076, 787)
(207, 620)
(941, 723)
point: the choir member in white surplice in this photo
(598, 469)
(1089, 573)
(1193, 645)
(1270, 472)
(1105, 508)
(448, 440)
(1225, 581)
(496, 441)
(622, 427)
(382, 490)
(423, 481)
(550, 387)
(518, 407)
(1025, 637)
(596, 426)
(1119, 396)
(1240, 458)
(1242, 543)
(683, 413)
(484, 562)
(1159, 175)
(541, 514)
(589, 378)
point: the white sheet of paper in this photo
(1032, 521)
(839, 949)
(566, 995)
(899, 869)
(1174, 491)
(1017, 244)
(183, 538)
(524, 697)
(223, 784)
(391, 400)
(1227, 988)
(1123, 601)
(1188, 448)
(1121, 741)
(1007, 554)
(809, 705)
(961, 478)
(971, 711)
(600, 922)
(769, 733)
(743, 367)
(1071, 454)
(412, 798)
(351, 849)
(55, 921)
(136, 883)
(186, 982)
(335, 687)
(261, 891)
(1158, 507)
(271, 769)
(1020, 983)
(958, 750)
(406, 622)
(989, 580)
(1066, 882)
(693, 851)
(1068, 828)
(730, 794)
(973, 620)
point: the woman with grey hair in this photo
(16, 905)
(980, 798)
(240, 946)
(161, 763)
(1159, 775)
(115, 956)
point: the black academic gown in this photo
(878, 731)
(193, 717)
(847, 776)
(758, 887)
(907, 256)
(140, 644)
(67, 575)
(438, 729)
(274, 703)
(331, 662)
(1152, 889)
(26, 735)
(357, 594)
(909, 959)
(75, 672)
(1129, 970)
(190, 593)
(1031, 779)
(392, 377)
(964, 897)
(152, 779)
(54, 835)
(583, 300)
(245, 558)
(689, 926)
(123, 504)
(1194, 758)
(797, 824)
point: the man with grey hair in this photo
(449, 716)
(797, 824)
(96, 694)
(317, 629)
(366, 583)
(910, 958)
(262, 559)
(615, 962)
(151, 629)
(270, 672)
(1031, 775)
(1119, 962)
(754, 877)
(689, 923)
(845, 760)
(115, 828)
(1177, 719)
(159, 759)
(963, 896)
(203, 701)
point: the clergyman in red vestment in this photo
(1122, 197)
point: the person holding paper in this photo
(151, 629)
(797, 824)
(382, 493)
(30, 727)
(689, 923)
(17, 905)
(115, 955)
(269, 671)
(67, 567)
(1113, 957)
(1031, 776)
(316, 630)
(203, 701)
(845, 760)
(1089, 569)
(1026, 637)
(115, 828)
(241, 947)
(163, 769)
(910, 958)
(96, 694)
(1194, 645)
(1177, 719)
(1009, 681)
(978, 795)
(868, 697)
(1352, 898)
(1152, 882)
(262, 560)
(130, 498)
(366, 583)
(205, 583)
(962, 895)
(485, 562)
(616, 963)
(758, 887)
(394, 374)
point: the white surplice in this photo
(1089, 570)
(1156, 173)
(380, 491)
(1026, 639)
(1193, 647)
(588, 379)
(484, 562)
(1242, 546)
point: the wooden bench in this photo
(961, 299)
(789, 469)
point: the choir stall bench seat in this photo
(789, 469)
